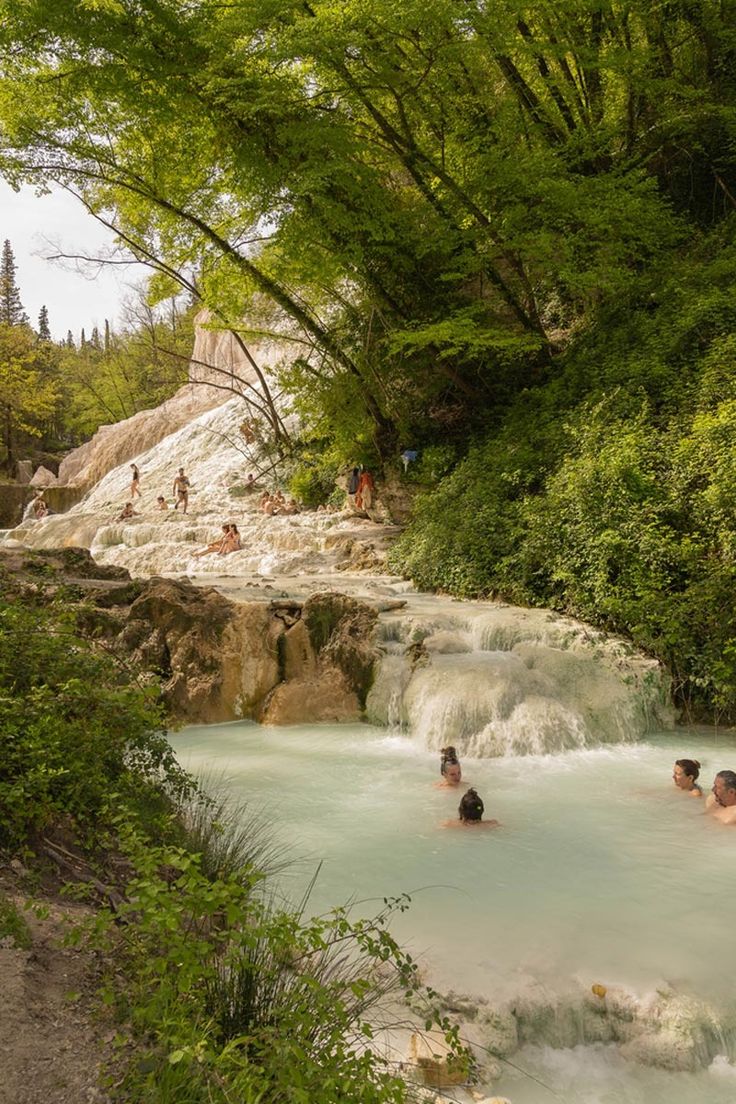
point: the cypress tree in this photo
(44, 331)
(11, 308)
(70, 340)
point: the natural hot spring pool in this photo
(602, 872)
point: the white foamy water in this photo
(498, 680)
(601, 872)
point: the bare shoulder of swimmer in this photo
(457, 823)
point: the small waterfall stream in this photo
(498, 680)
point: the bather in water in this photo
(684, 775)
(449, 769)
(470, 813)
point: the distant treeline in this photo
(53, 395)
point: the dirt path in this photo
(50, 1047)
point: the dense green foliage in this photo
(234, 997)
(611, 492)
(425, 197)
(76, 734)
(219, 989)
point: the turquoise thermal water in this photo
(601, 872)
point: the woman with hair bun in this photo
(449, 769)
(684, 775)
(470, 813)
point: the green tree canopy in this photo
(424, 197)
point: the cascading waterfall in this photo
(494, 680)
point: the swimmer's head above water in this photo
(724, 788)
(685, 773)
(449, 764)
(471, 807)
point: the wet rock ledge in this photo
(278, 662)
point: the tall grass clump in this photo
(231, 995)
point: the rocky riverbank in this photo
(276, 660)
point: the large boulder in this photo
(327, 658)
(325, 696)
(342, 632)
(43, 478)
(218, 659)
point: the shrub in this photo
(13, 925)
(74, 727)
(610, 491)
(236, 998)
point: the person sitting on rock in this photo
(231, 543)
(127, 512)
(161, 503)
(215, 545)
(722, 802)
(449, 769)
(40, 509)
(270, 506)
(470, 813)
(684, 775)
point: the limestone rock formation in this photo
(342, 632)
(215, 355)
(222, 660)
(328, 657)
(434, 1061)
(668, 1029)
(42, 477)
(278, 662)
(115, 444)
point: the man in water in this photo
(181, 490)
(722, 802)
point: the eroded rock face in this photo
(327, 656)
(221, 660)
(278, 662)
(666, 1029)
(342, 632)
(325, 696)
(214, 352)
(187, 635)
